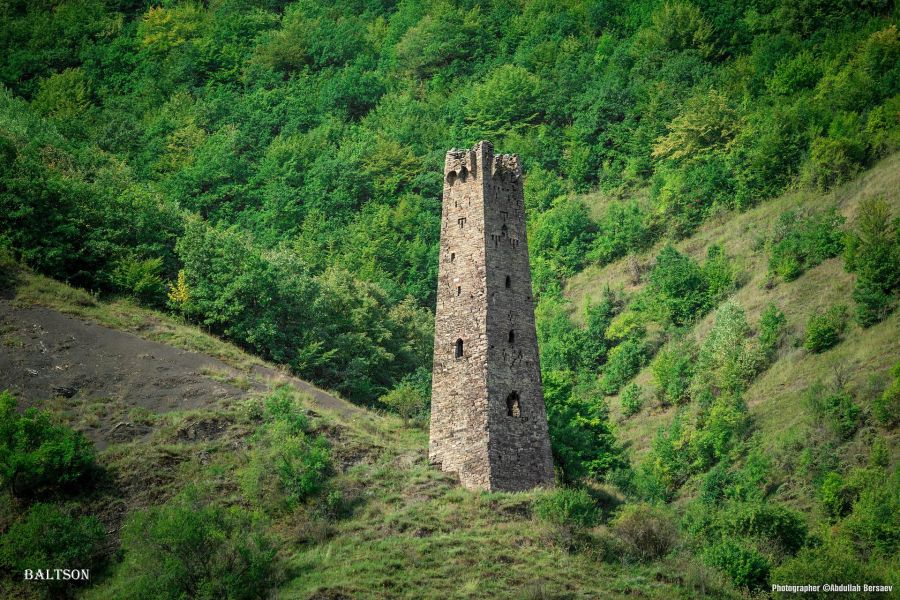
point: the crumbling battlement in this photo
(463, 164)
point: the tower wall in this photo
(488, 421)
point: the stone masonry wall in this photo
(488, 421)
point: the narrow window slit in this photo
(513, 408)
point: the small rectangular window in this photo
(461, 221)
(452, 256)
(504, 214)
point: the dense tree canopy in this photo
(284, 157)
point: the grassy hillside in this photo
(383, 524)
(711, 203)
(716, 424)
(775, 398)
(375, 520)
(291, 150)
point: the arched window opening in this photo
(451, 177)
(459, 348)
(513, 408)
(452, 256)
(508, 282)
(463, 174)
(512, 336)
(503, 230)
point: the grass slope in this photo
(775, 397)
(408, 531)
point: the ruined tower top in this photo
(488, 421)
(463, 163)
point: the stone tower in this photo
(488, 421)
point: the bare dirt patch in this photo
(52, 356)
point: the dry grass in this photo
(774, 398)
(152, 325)
(739, 233)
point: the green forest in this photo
(271, 172)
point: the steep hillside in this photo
(775, 400)
(711, 202)
(775, 397)
(190, 412)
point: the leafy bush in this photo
(594, 346)
(728, 358)
(686, 193)
(886, 407)
(835, 408)
(287, 464)
(9, 268)
(768, 522)
(676, 27)
(833, 160)
(139, 279)
(647, 533)
(506, 99)
(824, 329)
(720, 428)
(708, 125)
(632, 399)
(800, 243)
(283, 406)
(751, 480)
(874, 523)
(715, 484)
(580, 434)
(669, 462)
(672, 370)
(191, 549)
(564, 234)
(624, 227)
(677, 291)
(333, 327)
(37, 454)
(567, 506)
(625, 361)
(302, 466)
(772, 324)
(442, 38)
(286, 469)
(744, 565)
(49, 537)
(406, 400)
(873, 253)
(794, 73)
(836, 497)
(559, 340)
(720, 275)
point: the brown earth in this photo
(49, 356)
(110, 384)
